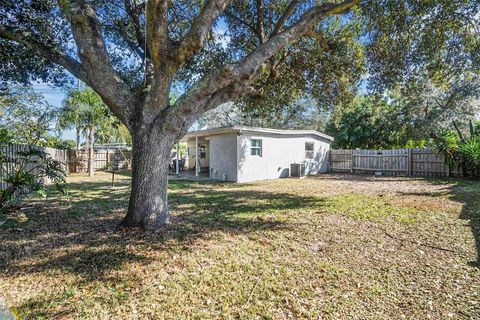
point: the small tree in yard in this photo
(25, 117)
(85, 111)
(133, 52)
(69, 118)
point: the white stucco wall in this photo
(223, 157)
(191, 153)
(278, 152)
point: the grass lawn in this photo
(332, 246)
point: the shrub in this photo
(29, 170)
(459, 150)
(470, 153)
(447, 142)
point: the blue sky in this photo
(54, 96)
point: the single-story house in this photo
(242, 154)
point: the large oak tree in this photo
(135, 53)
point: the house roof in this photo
(110, 146)
(239, 129)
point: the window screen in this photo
(256, 147)
(309, 150)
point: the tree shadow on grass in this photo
(466, 192)
(80, 235)
(92, 263)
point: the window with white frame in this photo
(309, 150)
(256, 147)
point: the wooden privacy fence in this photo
(408, 162)
(78, 159)
(11, 151)
(73, 161)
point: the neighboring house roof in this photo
(237, 129)
(109, 146)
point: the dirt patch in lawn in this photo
(331, 246)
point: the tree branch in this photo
(131, 43)
(318, 35)
(47, 52)
(240, 20)
(231, 15)
(232, 81)
(288, 12)
(194, 40)
(157, 32)
(101, 76)
(260, 21)
(132, 12)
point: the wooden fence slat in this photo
(412, 162)
(78, 159)
(11, 151)
(73, 160)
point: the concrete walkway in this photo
(4, 311)
(189, 175)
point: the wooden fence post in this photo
(351, 161)
(73, 160)
(409, 162)
(329, 160)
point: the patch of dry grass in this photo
(332, 246)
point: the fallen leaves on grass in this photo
(332, 246)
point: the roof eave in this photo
(233, 129)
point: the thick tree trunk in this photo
(91, 133)
(148, 207)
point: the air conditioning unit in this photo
(297, 170)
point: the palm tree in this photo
(85, 111)
(113, 131)
(70, 118)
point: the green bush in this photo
(29, 170)
(470, 154)
(459, 150)
(447, 142)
